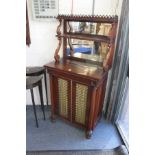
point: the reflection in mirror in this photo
(89, 50)
(89, 28)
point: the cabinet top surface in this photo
(82, 69)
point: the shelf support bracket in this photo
(56, 55)
(109, 58)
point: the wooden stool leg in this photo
(41, 98)
(46, 86)
(34, 107)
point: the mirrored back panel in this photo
(89, 50)
(89, 28)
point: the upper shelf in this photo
(87, 37)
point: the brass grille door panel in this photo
(63, 97)
(80, 103)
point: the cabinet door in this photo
(63, 97)
(79, 103)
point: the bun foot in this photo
(89, 134)
(53, 119)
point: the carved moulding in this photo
(102, 18)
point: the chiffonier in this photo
(78, 79)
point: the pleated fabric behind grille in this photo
(63, 97)
(80, 103)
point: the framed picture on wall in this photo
(28, 39)
(44, 10)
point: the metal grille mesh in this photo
(81, 101)
(63, 97)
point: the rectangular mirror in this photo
(88, 50)
(89, 28)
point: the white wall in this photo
(41, 50)
(43, 40)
